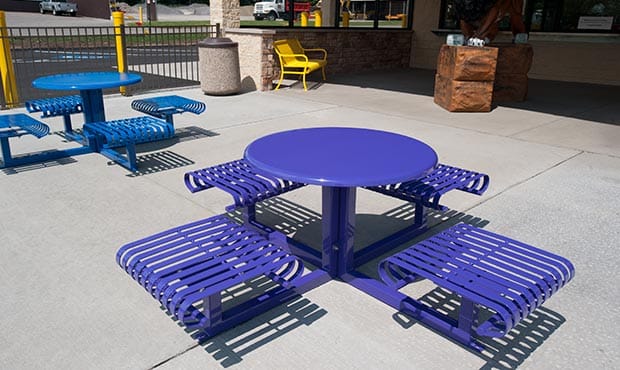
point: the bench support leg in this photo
(128, 161)
(419, 311)
(131, 156)
(468, 318)
(249, 214)
(7, 159)
(213, 309)
(67, 121)
(420, 216)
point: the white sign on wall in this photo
(595, 23)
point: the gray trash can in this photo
(218, 60)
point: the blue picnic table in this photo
(90, 85)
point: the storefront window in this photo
(556, 16)
(359, 13)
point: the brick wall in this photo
(348, 51)
(351, 50)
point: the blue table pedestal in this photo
(92, 101)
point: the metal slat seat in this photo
(15, 125)
(241, 181)
(508, 277)
(126, 132)
(137, 130)
(57, 106)
(192, 263)
(166, 106)
(427, 190)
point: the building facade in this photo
(577, 47)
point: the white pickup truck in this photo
(57, 7)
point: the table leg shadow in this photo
(304, 225)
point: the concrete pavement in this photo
(554, 163)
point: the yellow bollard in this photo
(304, 19)
(403, 21)
(318, 18)
(345, 19)
(140, 19)
(119, 23)
(9, 83)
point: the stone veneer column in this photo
(226, 13)
(328, 10)
(256, 57)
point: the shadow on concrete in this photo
(229, 347)
(38, 166)
(158, 162)
(592, 102)
(507, 352)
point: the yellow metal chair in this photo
(294, 60)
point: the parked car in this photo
(57, 7)
(278, 9)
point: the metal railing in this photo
(165, 56)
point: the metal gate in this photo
(165, 56)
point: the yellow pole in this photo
(304, 19)
(317, 18)
(9, 83)
(119, 22)
(140, 19)
(345, 19)
(403, 21)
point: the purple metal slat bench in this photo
(242, 182)
(508, 277)
(57, 106)
(189, 266)
(427, 191)
(166, 106)
(104, 136)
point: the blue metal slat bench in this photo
(507, 277)
(57, 106)
(105, 136)
(188, 267)
(16, 125)
(166, 106)
(239, 179)
(427, 191)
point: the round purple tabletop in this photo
(86, 80)
(342, 157)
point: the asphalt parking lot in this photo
(23, 19)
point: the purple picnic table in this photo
(340, 159)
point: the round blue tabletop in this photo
(86, 80)
(341, 157)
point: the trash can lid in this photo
(217, 42)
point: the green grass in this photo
(170, 23)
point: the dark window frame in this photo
(552, 16)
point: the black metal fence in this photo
(165, 56)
